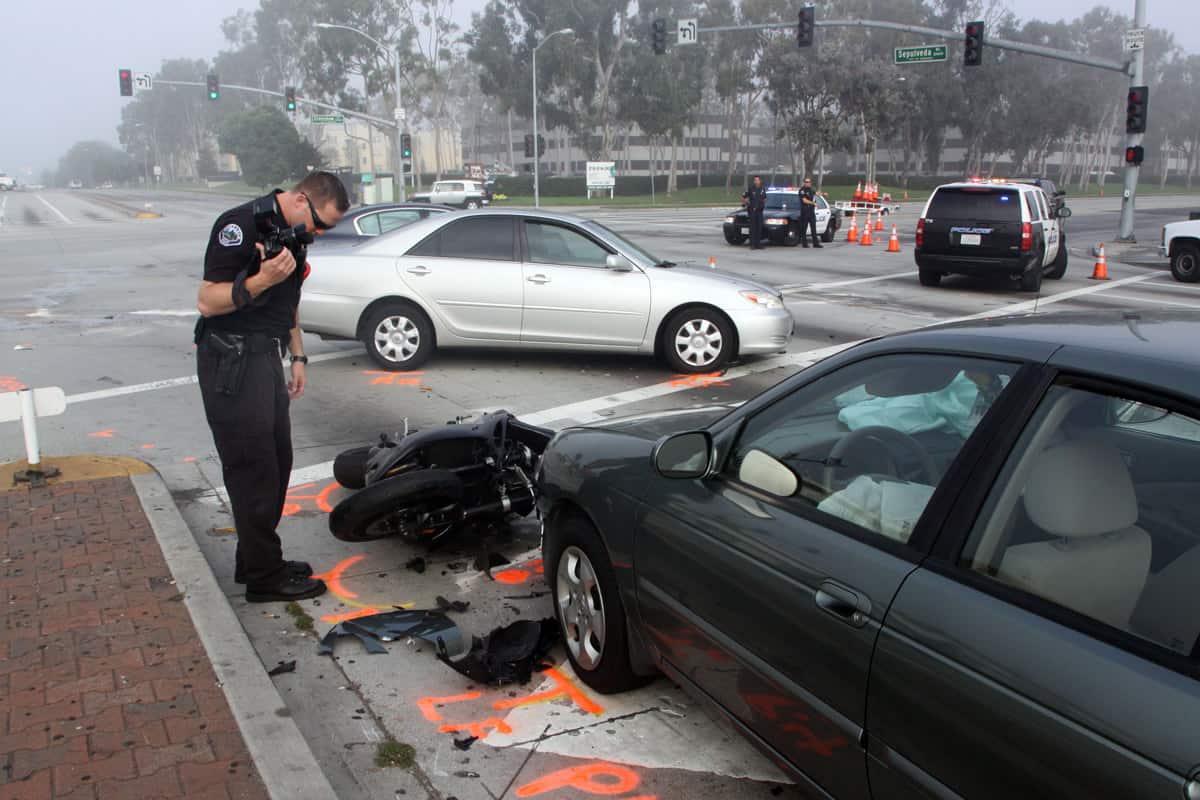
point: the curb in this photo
(284, 760)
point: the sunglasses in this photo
(318, 223)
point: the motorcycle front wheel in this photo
(422, 504)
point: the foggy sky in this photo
(60, 59)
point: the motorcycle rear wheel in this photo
(424, 503)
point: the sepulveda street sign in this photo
(926, 52)
(336, 119)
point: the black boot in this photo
(289, 587)
(301, 568)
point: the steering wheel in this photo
(892, 441)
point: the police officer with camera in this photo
(249, 313)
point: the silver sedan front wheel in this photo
(581, 608)
(698, 340)
(398, 337)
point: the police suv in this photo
(993, 227)
(781, 219)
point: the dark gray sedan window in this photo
(486, 238)
(870, 443)
(1096, 512)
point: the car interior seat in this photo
(1081, 493)
(1167, 611)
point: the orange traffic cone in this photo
(906, 194)
(852, 234)
(866, 234)
(879, 223)
(1100, 271)
(712, 262)
(858, 193)
(894, 242)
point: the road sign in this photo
(601, 174)
(916, 55)
(368, 177)
(688, 32)
(1135, 39)
(323, 119)
(400, 115)
(143, 81)
(157, 171)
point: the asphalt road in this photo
(102, 304)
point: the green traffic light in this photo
(212, 95)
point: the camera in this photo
(274, 239)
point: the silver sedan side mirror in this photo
(618, 263)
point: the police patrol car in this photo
(993, 227)
(781, 219)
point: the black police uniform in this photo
(756, 201)
(240, 369)
(808, 216)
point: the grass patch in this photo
(703, 196)
(303, 621)
(395, 754)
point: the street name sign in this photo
(336, 119)
(1135, 39)
(916, 55)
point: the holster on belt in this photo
(231, 352)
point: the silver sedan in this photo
(519, 279)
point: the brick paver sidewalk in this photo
(105, 689)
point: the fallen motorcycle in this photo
(422, 485)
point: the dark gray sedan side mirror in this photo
(684, 455)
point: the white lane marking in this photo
(1030, 305)
(1174, 286)
(1154, 301)
(810, 287)
(41, 312)
(158, 312)
(118, 391)
(48, 205)
(3, 204)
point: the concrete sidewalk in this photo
(109, 686)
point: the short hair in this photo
(757, 178)
(324, 187)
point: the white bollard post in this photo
(29, 424)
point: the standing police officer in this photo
(755, 200)
(249, 306)
(808, 213)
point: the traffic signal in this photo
(1135, 109)
(291, 98)
(807, 27)
(529, 145)
(214, 86)
(541, 145)
(973, 49)
(125, 78)
(658, 32)
(406, 146)
(1134, 155)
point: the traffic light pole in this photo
(318, 104)
(1129, 195)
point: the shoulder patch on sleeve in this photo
(230, 235)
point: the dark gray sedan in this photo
(957, 562)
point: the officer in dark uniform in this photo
(755, 200)
(808, 213)
(248, 302)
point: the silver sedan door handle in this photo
(538, 279)
(419, 270)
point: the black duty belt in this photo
(247, 342)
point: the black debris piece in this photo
(457, 566)
(457, 605)
(337, 631)
(282, 667)
(465, 773)
(506, 655)
(465, 744)
(488, 559)
(530, 596)
(417, 564)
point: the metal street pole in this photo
(1129, 195)
(399, 104)
(537, 156)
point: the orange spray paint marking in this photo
(565, 688)
(518, 574)
(810, 741)
(362, 612)
(702, 381)
(428, 705)
(147, 447)
(480, 729)
(106, 434)
(618, 780)
(394, 378)
(189, 459)
(320, 499)
(10, 384)
(333, 578)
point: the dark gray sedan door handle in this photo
(843, 603)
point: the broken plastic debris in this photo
(417, 565)
(488, 559)
(457, 605)
(465, 744)
(282, 667)
(506, 655)
(432, 626)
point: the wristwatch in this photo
(303, 359)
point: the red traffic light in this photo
(972, 29)
(1134, 155)
(125, 78)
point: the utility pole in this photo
(1129, 195)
